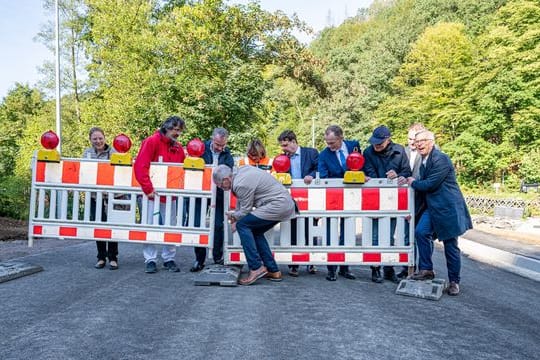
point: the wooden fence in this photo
(486, 205)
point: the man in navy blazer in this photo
(443, 213)
(216, 152)
(332, 165)
(304, 162)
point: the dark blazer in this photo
(329, 166)
(417, 162)
(309, 161)
(224, 158)
(444, 200)
(392, 158)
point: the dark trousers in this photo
(217, 250)
(424, 235)
(294, 235)
(251, 230)
(105, 249)
(332, 268)
(375, 232)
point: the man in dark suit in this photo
(444, 214)
(332, 164)
(385, 159)
(216, 153)
(304, 162)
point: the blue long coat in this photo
(443, 198)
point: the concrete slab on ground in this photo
(10, 270)
(218, 275)
(430, 289)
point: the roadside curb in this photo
(522, 265)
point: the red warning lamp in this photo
(49, 140)
(281, 163)
(195, 148)
(355, 161)
(122, 143)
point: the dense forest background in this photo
(467, 69)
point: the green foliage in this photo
(14, 197)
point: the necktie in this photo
(342, 160)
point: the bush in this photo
(14, 197)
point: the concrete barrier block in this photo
(218, 275)
(10, 270)
(429, 289)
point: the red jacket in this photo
(151, 149)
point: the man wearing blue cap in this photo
(385, 159)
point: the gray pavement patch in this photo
(430, 289)
(10, 270)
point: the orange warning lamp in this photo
(355, 161)
(281, 165)
(122, 144)
(49, 140)
(195, 149)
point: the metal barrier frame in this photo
(59, 188)
(351, 252)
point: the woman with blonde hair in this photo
(256, 156)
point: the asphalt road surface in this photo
(73, 311)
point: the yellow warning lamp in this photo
(281, 165)
(194, 161)
(355, 161)
(49, 140)
(122, 144)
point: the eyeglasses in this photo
(422, 141)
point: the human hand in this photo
(151, 195)
(391, 174)
(308, 179)
(401, 180)
(410, 180)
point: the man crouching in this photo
(262, 202)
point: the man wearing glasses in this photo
(443, 213)
(262, 202)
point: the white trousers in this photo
(168, 252)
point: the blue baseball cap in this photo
(380, 134)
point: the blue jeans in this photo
(251, 230)
(424, 235)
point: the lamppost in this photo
(57, 69)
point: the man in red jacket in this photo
(161, 146)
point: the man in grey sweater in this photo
(262, 202)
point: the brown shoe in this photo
(423, 275)
(453, 289)
(274, 276)
(253, 276)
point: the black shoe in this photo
(391, 277)
(219, 262)
(197, 266)
(376, 274)
(347, 275)
(331, 276)
(403, 274)
(293, 270)
(113, 265)
(100, 264)
(150, 267)
(311, 269)
(171, 266)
